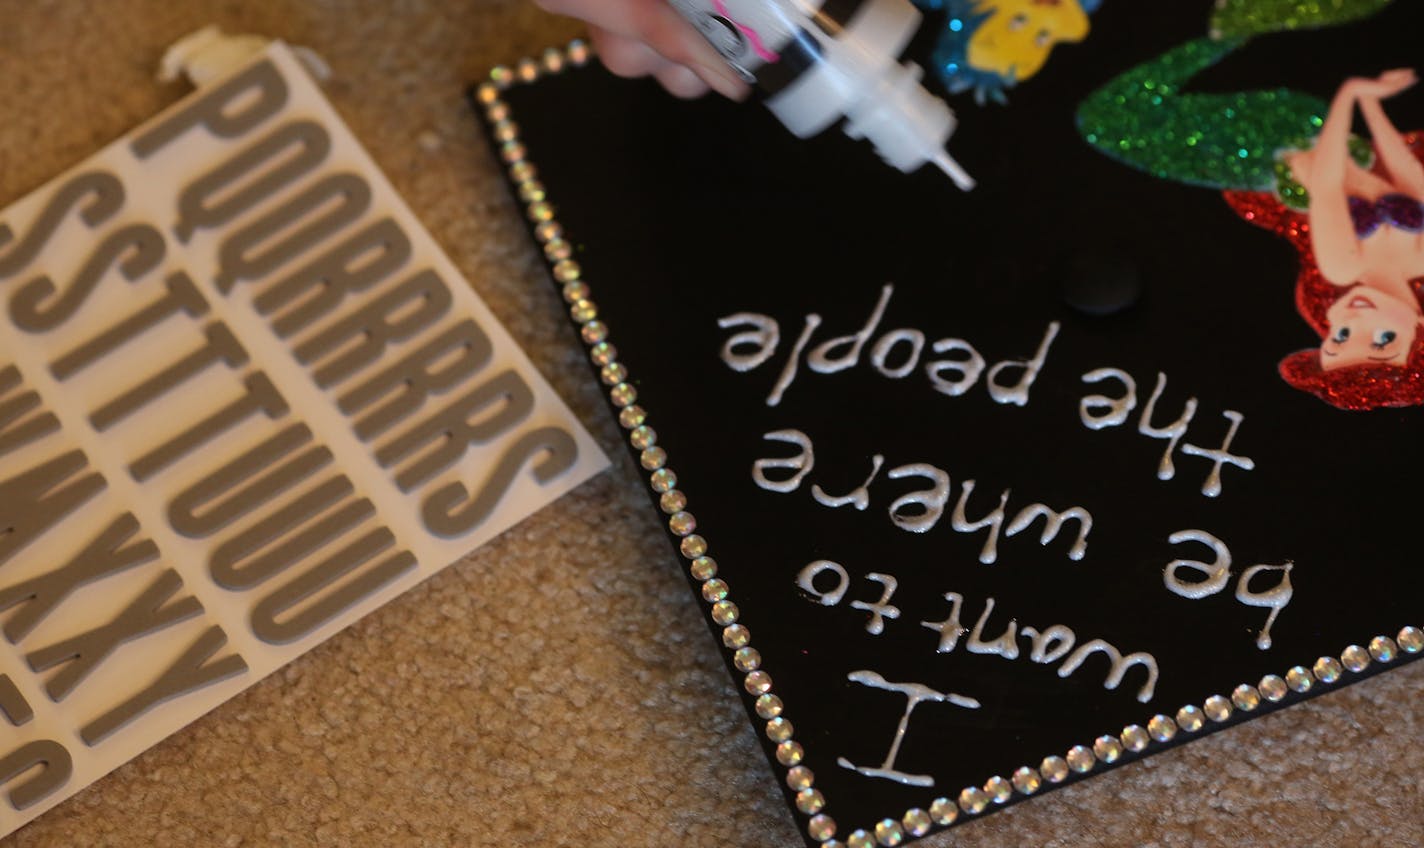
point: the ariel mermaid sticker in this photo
(1353, 208)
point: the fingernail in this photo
(732, 88)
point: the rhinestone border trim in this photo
(1027, 780)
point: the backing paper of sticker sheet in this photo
(984, 493)
(244, 400)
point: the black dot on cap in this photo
(1101, 282)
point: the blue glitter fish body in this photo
(950, 58)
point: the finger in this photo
(1400, 79)
(626, 57)
(662, 28)
(629, 57)
(681, 81)
(680, 43)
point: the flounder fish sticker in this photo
(990, 46)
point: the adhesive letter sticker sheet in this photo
(985, 493)
(244, 400)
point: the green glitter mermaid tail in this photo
(1245, 18)
(1220, 141)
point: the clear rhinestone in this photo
(548, 231)
(1107, 748)
(714, 590)
(821, 828)
(653, 458)
(916, 821)
(501, 76)
(1134, 737)
(1411, 640)
(1217, 708)
(746, 659)
(1245, 697)
(512, 152)
(632, 417)
(779, 729)
(531, 191)
(810, 801)
(524, 171)
(1383, 648)
(724, 612)
(695, 546)
(582, 311)
(1327, 670)
(579, 52)
(736, 636)
(1053, 769)
(998, 789)
(1081, 759)
(1273, 688)
(1027, 780)
(704, 567)
(567, 271)
(860, 839)
(594, 331)
(528, 70)
(1355, 658)
(758, 683)
(553, 60)
(889, 833)
(623, 394)
(538, 212)
(1299, 679)
(789, 753)
(973, 800)
(613, 373)
(1190, 718)
(662, 480)
(643, 437)
(769, 707)
(800, 777)
(672, 502)
(496, 111)
(578, 292)
(682, 523)
(505, 131)
(558, 249)
(944, 811)
(487, 93)
(602, 353)
(1162, 728)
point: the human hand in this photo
(637, 38)
(1386, 85)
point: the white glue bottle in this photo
(819, 60)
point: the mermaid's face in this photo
(1369, 326)
(1019, 34)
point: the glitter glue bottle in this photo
(819, 60)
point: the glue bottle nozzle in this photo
(961, 177)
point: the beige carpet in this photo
(558, 687)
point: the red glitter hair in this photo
(1359, 386)
(1355, 387)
